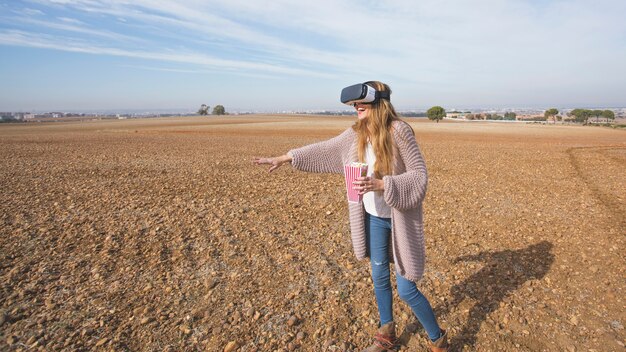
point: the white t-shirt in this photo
(374, 202)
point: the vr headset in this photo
(362, 93)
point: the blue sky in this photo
(286, 55)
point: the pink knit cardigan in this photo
(404, 192)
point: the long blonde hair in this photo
(376, 129)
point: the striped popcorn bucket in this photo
(351, 172)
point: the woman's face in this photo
(362, 110)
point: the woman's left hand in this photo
(368, 184)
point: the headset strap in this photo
(382, 95)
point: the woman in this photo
(387, 226)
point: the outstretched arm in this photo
(323, 157)
(276, 162)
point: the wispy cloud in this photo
(72, 25)
(483, 45)
(389, 37)
(20, 38)
(31, 12)
(199, 71)
(71, 20)
(202, 22)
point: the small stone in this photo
(250, 312)
(231, 346)
(11, 339)
(49, 304)
(146, 320)
(293, 320)
(198, 313)
(412, 327)
(31, 340)
(185, 329)
(211, 283)
(329, 330)
(236, 317)
(328, 343)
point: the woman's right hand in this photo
(276, 162)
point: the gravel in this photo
(159, 234)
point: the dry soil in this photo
(160, 235)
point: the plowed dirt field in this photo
(160, 235)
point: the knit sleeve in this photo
(323, 157)
(407, 190)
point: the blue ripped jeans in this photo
(378, 231)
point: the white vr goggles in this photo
(361, 93)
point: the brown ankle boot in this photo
(441, 345)
(385, 339)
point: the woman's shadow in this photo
(503, 273)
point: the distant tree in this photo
(581, 115)
(609, 115)
(219, 110)
(551, 114)
(573, 115)
(586, 115)
(489, 116)
(568, 117)
(8, 119)
(204, 110)
(510, 116)
(436, 113)
(469, 117)
(597, 114)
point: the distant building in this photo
(455, 115)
